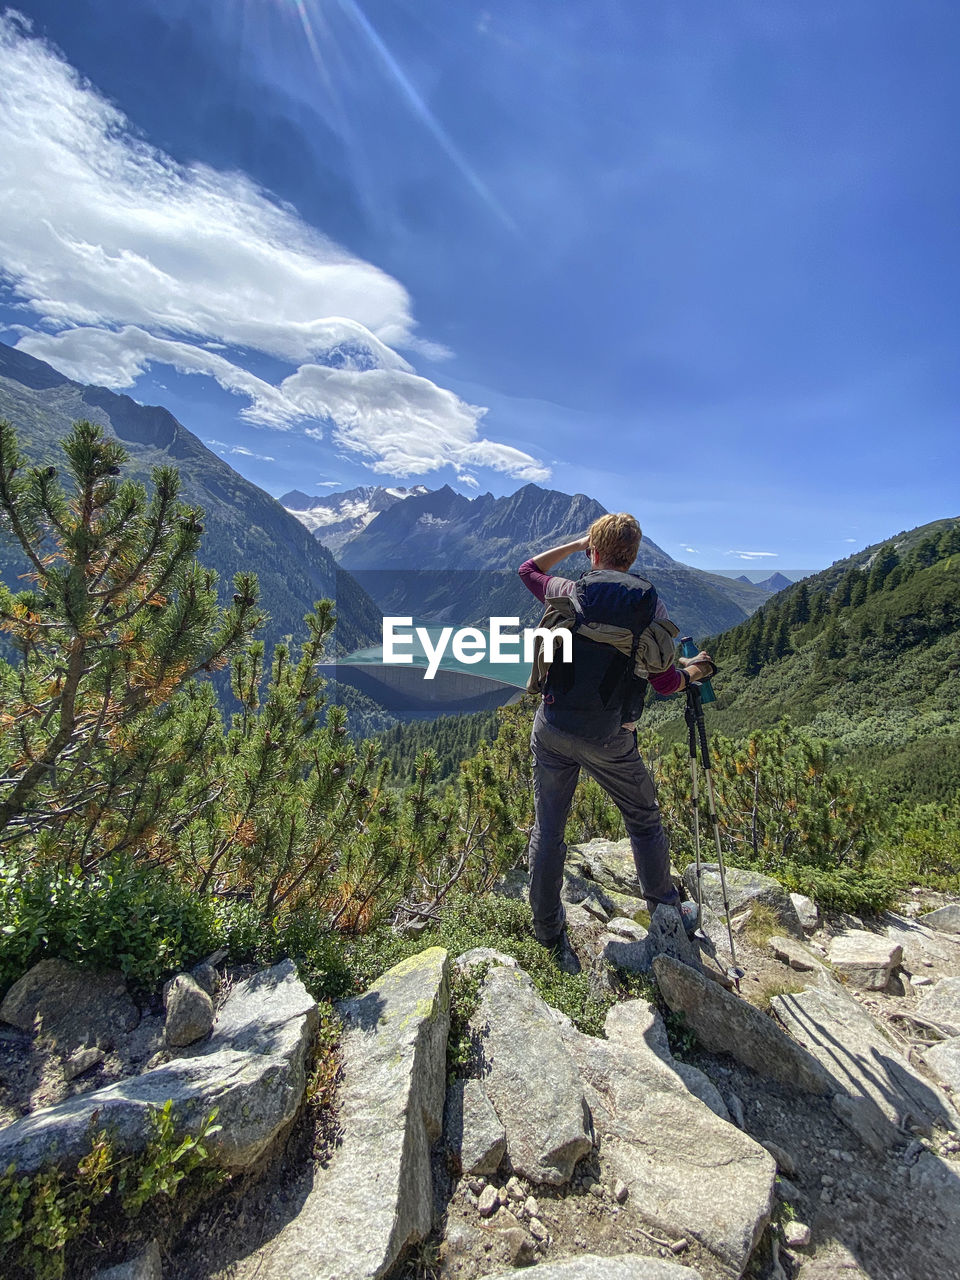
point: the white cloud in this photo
(129, 259)
(238, 449)
(753, 555)
(326, 484)
(849, 539)
(691, 551)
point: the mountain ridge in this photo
(245, 528)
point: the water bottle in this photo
(689, 650)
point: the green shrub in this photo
(135, 918)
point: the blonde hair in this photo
(616, 537)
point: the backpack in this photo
(591, 695)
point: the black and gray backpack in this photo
(591, 695)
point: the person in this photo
(588, 713)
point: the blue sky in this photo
(698, 261)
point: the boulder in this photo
(687, 1171)
(946, 919)
(145, 1266)
(666, 936)
(877, 1089)
(944, 1061)
(472, 1130)
(253, 1070)
(375, 1197)
(625, 1266)
(867, 960)
(725, 1023)
(531, 1079)
(941, 1004)
(80, 1061)
(76, 1007)
(607, 862)
(806, 910)
(744, 888)
(189, 1011)
(624, 927)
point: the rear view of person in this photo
(588, 713)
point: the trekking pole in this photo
(697, 731)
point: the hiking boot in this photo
(690, 915)
(563, 953)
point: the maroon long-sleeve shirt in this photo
(540, 583)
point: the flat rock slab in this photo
(944, 1061)
(866, 959)
(76, 1007)
(376, 1195)
(863, 1063)
(531, 1079)
(919, 942)
(255, 1076)
(941, 1004)
(744, 888)
(795, 954)
(688, 1172)
(625, 1266)
(946, 919)
(725, 1023)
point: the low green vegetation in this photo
(45, 1218)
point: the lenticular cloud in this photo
(128, 259)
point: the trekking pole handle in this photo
(689, 650)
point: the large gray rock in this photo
(189, 1011)
(145, 1266)
(472, 1129)
(253, 1071)
(866, 959)
(743, 889)
(725, 1023)
(686, 1170)
(666, 936)
(941, 1004)
(376, 1195)
(946, 919)
(625, 1266)
(531, 1079)
(608, 862)
(944, 1061)
(864, 1064)
(76, 1007)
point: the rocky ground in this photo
(801, 1127)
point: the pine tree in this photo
(800, 606)
(883, 565)
(95, 747)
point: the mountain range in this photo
(441, 555)
(244, 527)
(335, 518)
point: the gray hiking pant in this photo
(615, 763)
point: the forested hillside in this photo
(244, 528)
(867, 654)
